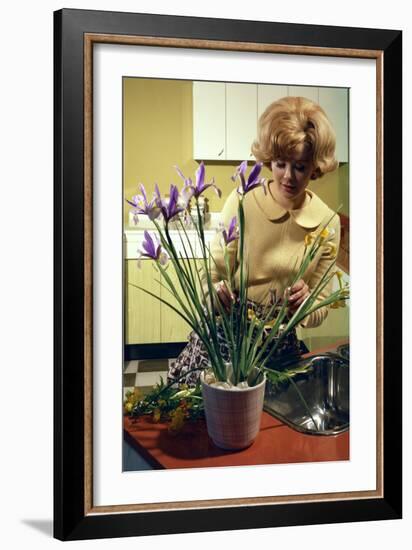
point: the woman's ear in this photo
(316, 174)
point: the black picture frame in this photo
(74, 516)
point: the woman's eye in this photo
(280, 164)
(300, 167)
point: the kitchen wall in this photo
(158, 134)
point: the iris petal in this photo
(242, 167)
(254, 173)
(200, 178)
(149, 245)
(179, 172)
(143, 191)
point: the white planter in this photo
(233, 416)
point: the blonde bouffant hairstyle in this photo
(291, 124)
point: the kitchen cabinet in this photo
(209, 120)
(225, 116)
(142, 312)
(173, 327)
(267, 94)
(310, 92)
(147, 320)
(241, 119)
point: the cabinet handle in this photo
(221, 152)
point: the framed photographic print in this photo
(221, 188)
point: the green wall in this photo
(158, 134)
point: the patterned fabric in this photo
(194, 354)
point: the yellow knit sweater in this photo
(274, 240)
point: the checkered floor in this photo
(144, 374)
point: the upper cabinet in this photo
(209, 120)
(267, 94)
(310, 92)
(240, 121)
(225, 116)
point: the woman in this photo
(297, 143)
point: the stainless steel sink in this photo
(317, 401)
(343, 351)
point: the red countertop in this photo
(276, 443)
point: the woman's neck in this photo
(289, 204)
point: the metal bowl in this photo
(317, 401)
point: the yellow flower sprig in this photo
(344, 292)
(323, 239)
(132, 398)
(157, 413)
(167, 403)
(178, 417)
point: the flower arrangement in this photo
(252, 341)
(166, 403)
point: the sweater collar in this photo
(309, 216)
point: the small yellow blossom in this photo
(132, 398)
(156, 415)
(324, 235)
(178, 419)
(128, 407)
(338, 304)
(182, 393)
(339, 275)
(332, 249)
(269, 324)
(308, 239)
(251, 314)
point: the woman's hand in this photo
(224, 294)
(297, 294)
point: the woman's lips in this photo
(288, 188)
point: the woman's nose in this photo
(287, 173)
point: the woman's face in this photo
(291, 176)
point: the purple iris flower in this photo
(172, 206)
(232, 233)
(195, 190)
(153, 249)
(141, 205)
(253, 179)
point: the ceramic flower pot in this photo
(233, 416)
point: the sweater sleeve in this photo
(327, 258)
(217, 263)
